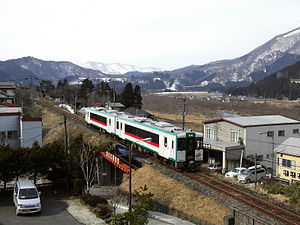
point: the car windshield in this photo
(245, 172)
(28, 193)
(235, 171)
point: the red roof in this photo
(8, 104)
(31, 119)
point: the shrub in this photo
(293, 193)
(276, 188)
(103, 211)
(78, 185)
(93, 200)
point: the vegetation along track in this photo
(270, 209)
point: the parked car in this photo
(235, 172)
(26, 197)
(248, 175)
(215, 167)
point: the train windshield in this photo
(181, 144)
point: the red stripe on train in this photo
(96, 121)
(136, 137)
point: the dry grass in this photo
(170, 107)
(53, 128)
(176, 195)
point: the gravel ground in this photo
(82, 213)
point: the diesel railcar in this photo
(183, 147)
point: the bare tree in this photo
(85, 156)
(85, 153)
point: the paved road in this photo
(53, 212)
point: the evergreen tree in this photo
(127, 96)
(138, 100)
(103, 89)
(85, 89)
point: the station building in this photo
(228, 139)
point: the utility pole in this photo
(183, 112)
(255, 161)
(66, 135)
(114, 94)
(75, 108)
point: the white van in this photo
(248, 175)
(26, 197)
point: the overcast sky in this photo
(159, 33)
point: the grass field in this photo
(170, 107)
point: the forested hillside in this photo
(278, 85)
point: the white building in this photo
(17, 131)
(259, 134)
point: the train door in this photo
(167, 146)
(118, 127)
(190, 148)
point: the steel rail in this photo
(264, 206)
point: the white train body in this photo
(167, 141)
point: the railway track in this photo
(279, 213)
(268, 208)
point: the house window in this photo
(267, 156)
(293, 174)
(2, 135)
(270, 133)
(235, 135)
(11, 134)
(287, 163)
(211, 133)
(281, 133)
(295, 131)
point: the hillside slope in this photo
(278, 85)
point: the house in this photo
(7, 92)
(288, 160)
(259, 135)
(17, 131)
(138, 112)
(115, 106)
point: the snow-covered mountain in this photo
(281, 51)
(23, 68)
(116, 68)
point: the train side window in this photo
(121, 126)
(172, 144)
(109, 121)
(117, 124)
(166, 142)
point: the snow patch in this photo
(67, 107)
(117, 68)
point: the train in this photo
(183, 148)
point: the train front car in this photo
(189, 149)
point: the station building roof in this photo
(254, 121)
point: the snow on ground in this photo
(67, 107)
